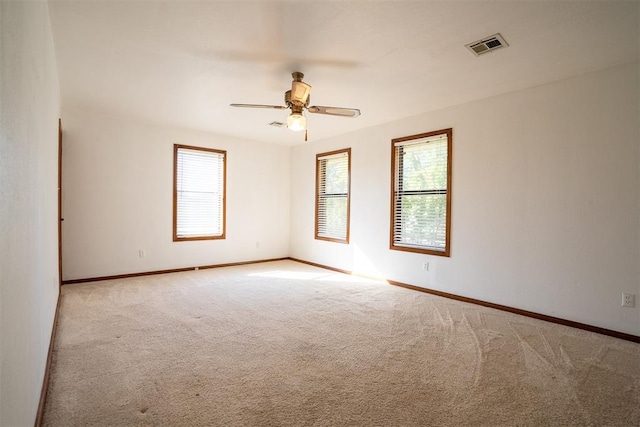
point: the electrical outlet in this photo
(141, 253)
(425, 266)
(628, 300)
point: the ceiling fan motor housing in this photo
(296, 109)
(295, 102)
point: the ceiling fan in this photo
(297, 99)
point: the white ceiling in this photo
(182, 63)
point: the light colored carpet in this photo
(287, 344)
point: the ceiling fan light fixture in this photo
(296, 122)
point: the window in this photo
(421, 193)
(199, 176)
(333, 181)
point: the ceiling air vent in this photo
(488, 44)
(277, 124)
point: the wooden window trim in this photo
(317, 207)
(176, 238)
(392, 246)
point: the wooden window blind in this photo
(333, 182)
(199, 193)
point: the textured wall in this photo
(29, 111)
(545, 200)
(118, 198)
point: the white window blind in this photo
(199, 193)
(332, 196)
(420, 193)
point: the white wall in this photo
(29, 111)
(545, 200)
(118, 198)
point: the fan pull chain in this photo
(306, 135)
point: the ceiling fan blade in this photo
(277, 107)
(334, 111)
